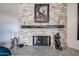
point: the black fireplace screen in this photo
(41, 40)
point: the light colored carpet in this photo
(44, 51)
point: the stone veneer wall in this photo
(57, 15)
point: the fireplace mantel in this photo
(42, 26)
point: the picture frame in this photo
(41, 14)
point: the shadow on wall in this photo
(8, 8)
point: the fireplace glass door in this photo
(41, 40)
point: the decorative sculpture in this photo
(57, 41)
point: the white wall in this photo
(8, 20)
(72, 26)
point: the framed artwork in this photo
(78, 22)
(41, 13)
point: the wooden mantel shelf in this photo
(42, 26)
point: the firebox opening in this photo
(41, 40)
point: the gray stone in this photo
(44, 51)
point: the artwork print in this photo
(41, 13)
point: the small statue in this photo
(14, 43)
(57, 41)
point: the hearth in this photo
(41, 40)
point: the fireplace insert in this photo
(41, 40)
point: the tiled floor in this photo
(44, 51)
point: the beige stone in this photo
(57, 15)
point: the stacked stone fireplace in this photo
(57, 15)
(32, 33)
